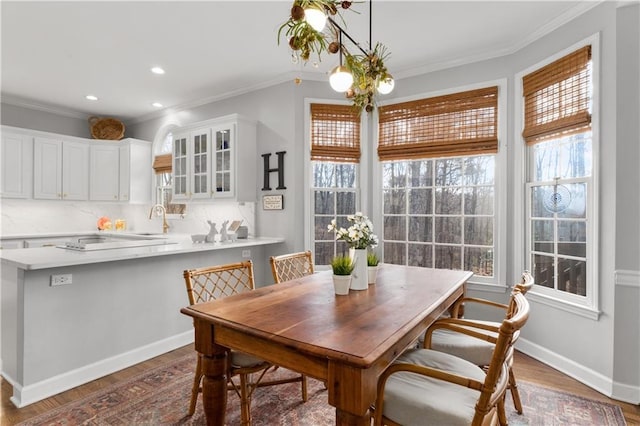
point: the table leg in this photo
(214, 388)
(344, 418)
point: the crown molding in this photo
(283, 78)
(41, 106)
(544, 30)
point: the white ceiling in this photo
(55, 53)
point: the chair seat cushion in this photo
(241, 359)
(474, 350)
(412, 399)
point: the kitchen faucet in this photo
(165, 225)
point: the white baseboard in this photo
(587, 376)
(25, 395)
(626, 393)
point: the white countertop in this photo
(53, 257)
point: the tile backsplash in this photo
(27, 217)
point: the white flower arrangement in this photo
(359, 235)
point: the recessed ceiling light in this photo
(157, 70)
(157, 105)
(92, 97)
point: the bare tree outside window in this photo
(334, 196)
(440, 213)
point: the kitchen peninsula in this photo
(121, 306)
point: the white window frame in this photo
(498, 283)
(158, 149)
(361, 173)
(588, 306)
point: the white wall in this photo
(626, 366)
(40, 119)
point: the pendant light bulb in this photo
(340, 79)
(386, 85)
(316, 18)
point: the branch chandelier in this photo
(362, 74)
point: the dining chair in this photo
(291, 266)
(428, 387)
(441, 337)
(215, 282)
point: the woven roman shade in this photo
(162, 163)
(462, 123)
(557, 98)
(335, 133)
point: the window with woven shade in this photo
(162, 163)
(462, 123)
(561, 252)
(335, 133)
(335, 182)
(557, 98)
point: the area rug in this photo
(161, 397)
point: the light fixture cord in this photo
(340, 40)
(370, 22)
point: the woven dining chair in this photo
(440, 337)
(428, 387)
(291, 266)
(215, 282)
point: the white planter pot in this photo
(372, 272)
(360, 278)
(341, 284)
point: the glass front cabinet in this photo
(215, 159)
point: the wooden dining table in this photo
(345, 341)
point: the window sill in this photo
(487, 287)
(583, 311)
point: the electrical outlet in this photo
(61, 279)
(246, 254)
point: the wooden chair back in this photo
(496, 381)
(525, 284)
(215, 282)
(291, 266)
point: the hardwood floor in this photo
(530, 370)
(526, 369)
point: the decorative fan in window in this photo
(557, 198)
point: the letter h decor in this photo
(279, 169)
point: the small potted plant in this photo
(372, 266)
(342, 267)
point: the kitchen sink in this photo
(114, 241)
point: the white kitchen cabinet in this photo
(179, 166)
(60, 170)
(234, 165)
(121, 171)
(48, 166)
(192, 163)
(215, 159)
(104, 166)
(16, 158)
(135, 171)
